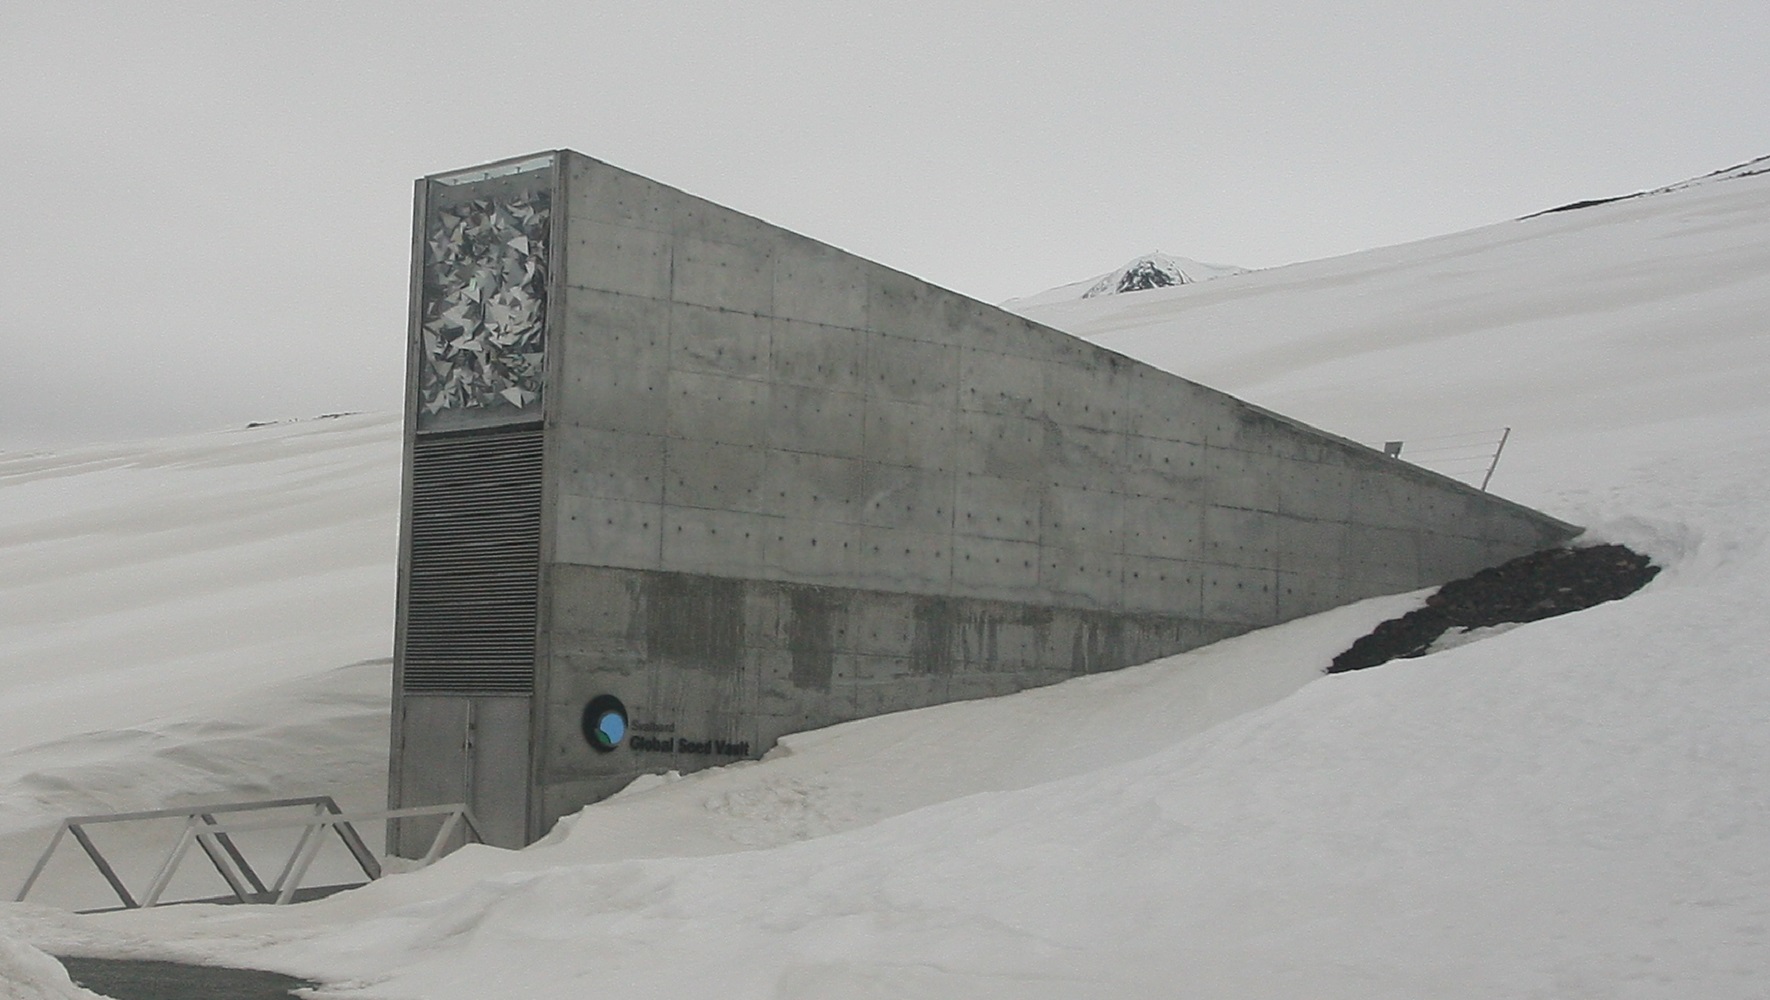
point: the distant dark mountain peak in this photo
(1156, 270)
(1150, 271)
(1140, 275)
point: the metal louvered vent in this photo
(476, 561)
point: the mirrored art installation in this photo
(485, 301)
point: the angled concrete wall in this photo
(791, 486)
(783, 486)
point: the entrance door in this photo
(461, 749)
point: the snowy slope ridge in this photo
(1151, 270)
(1600, 322)
(1749, 168)
(1573, 807)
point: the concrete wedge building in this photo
(678, 482)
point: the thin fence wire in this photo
(1469, 456)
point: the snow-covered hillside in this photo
(194, 619)
(1151, 270)
(1573, 808)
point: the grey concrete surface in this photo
(785, 486)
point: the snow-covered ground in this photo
(1578, 807)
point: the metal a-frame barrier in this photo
(203, 829)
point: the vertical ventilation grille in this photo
(476, 559)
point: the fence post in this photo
(1496, 458)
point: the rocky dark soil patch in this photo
(1541, 585)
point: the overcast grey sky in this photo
(205, 208)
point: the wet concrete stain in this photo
(696, 621)
(1099, 645)
(811, 636)
(931, 647)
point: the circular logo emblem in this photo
(605, 722)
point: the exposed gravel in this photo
(1541, 585)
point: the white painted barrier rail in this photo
(203, 829)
